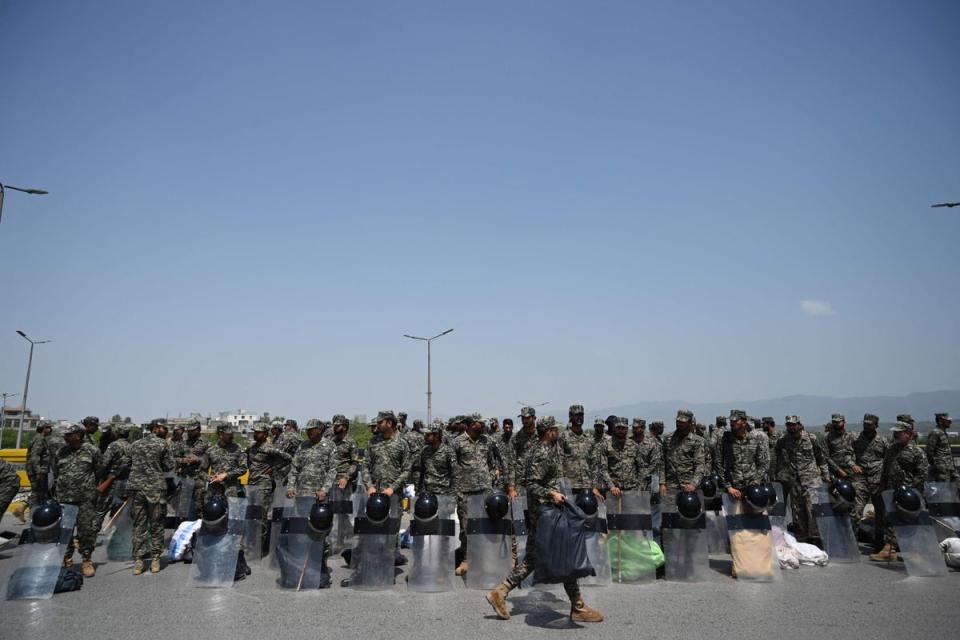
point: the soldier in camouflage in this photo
(76, 465)
(684, 459)
(313, 468)
(263, 459)
(904, 464)
(649, 462)
(656, 430)
(116, 464)
(493, 427)
(576, 450)
(939, 456)
(744, 456)
(910, 422)
(9, 485)
(388, 465)
(869, 450)
(769, 427)
(150, 460)
(39, 459)
(617, 461)
(478, 469)
(543, 470)
(346, 454)
(189, 458)
(502, 441)
(639, 430)
(402, 422)
(436, 466)
(713, 444)
(414, 439)
(91, 424)
(521, 443)
(800, 467)
(839, 449)
(225, 462)
(289, 442)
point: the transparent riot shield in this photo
(120, 544)
(372, 562)
(344, 505)
(718, 540)
(943, 505)
(836, 529)
(253, 525)
(751, 545)
(596, 539)
(634, 556)
(215, 556)
(433, 543)
(917, 540)
(779, 514)
(282, 507)
(38, 565)
(489, 543)
(685, 545)
(299, 551)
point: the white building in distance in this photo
(241, 418)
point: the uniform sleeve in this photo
(239, 466)
(278, 454)
(922, 468)
(495, 464)
(700, 462)
(536, 468)
(831, 463)
(295, 464)
(821, 459)
(106, 460)
(331, 468)
(603, 473)
(369, 466)
(763, 459)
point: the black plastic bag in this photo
(561, 544)
(68, 580)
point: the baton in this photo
(114, 516)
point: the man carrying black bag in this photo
(543, 469)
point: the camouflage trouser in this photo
(87, 528)
(148, 517)
(264, 490)
(104, 502)
(525, 568)
(38, 491)
(867, 492)
(801, 508)
(7, 494)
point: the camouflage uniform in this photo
(289, 442)
(869, 451)
(684, 461)
(743, 462)
(76, 483)
(313, 468)
(150, 460)
(436, 469)
(194, 447)
(9, 485)
(618, 464)
(505, 452)
(543, 470)
(388, 464)
(649, 463)
(579, 464)
(942, 467)
(839, 450)
(414, 439)
(263, 459)
(38, 468)
(229, 459)
(800, 467)
(478, 469)
(772, 439)
(346, 456)
(116, 463)
(520, 444)
(903, 465)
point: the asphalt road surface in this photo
(841, 601)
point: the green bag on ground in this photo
(632, 557)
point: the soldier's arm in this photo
(763, 458)
(699, 463)
(106, 460)
(278, 456)
(535, 477)
(330, 469)
(602, 470)
(821, 459)
(922, 468)
(831, 463)
(295, 463)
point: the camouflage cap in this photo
(720, 421)
(622, 422)
(90, 420)
(838, 417)
(656, 424)
(598, 422)
(639, 423)
(74, 427)
(226, 428)
(339, 418)
(418, 423)
(290, 423)
(768, 420)
(942, 416)
(737, 414)
(901, 426)
(576, 409)
(261, 427)
(122, 428)
(905, 417)
(475, 417)
(402, 414)
(869, 418)
(195, 425)
(684, 415)
(546, 423)
(433, 427)
(386, 415)
(527, 412)
(792, 419)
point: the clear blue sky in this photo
(610, 202)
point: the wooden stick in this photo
(114, 516)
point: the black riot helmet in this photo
(378, 508)
(755, 496)
(771, 492)
(320, 519)
(426, 507)
(45, 522)
(215, 515)
(842, 495)
(689, 505)
(497, 505)
(708, 485)
(588, 503)
(908, 503)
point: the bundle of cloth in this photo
(791, 554)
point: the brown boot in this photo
(498, 600)
(155, 565)
(138, 566)
(68, 561)
(580, 612)
(887, 554)
(87, 567)
(461, 569)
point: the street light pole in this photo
(26, 385)
(429, 389)
(33, 192)
(3, 414)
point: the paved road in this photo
(859, 601)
